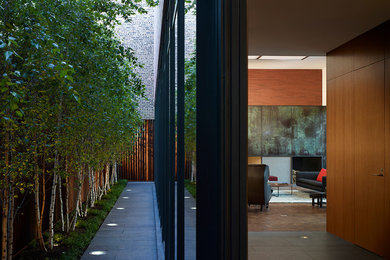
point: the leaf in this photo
(8, 54)
(18, 113)
(14, 106)
(76, 98)
(2, 45)
(51, 65)
(36, 45)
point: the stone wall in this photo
(140, 34)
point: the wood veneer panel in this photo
(370, 150)
(369, 48)
(340, 61)
(387, 154)
(284, 87)
(387, 39)
(340, 157)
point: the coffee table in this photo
(278, 185)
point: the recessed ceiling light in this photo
(252, 57)
(282, 57)
(98, 253)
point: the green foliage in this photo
(78, 241)
(191, 187)
(190, 105)
(67, 84)
(68, 88)
(190, 5)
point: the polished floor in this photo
(287, 217)
(131, 231)
(303, 246)
(296, 231)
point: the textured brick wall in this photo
(139, 34)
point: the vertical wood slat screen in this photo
(138, 164)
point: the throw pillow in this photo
(322, 173)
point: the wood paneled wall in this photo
(285, 87)
(358, 140)
(138, 164)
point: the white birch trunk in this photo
(4, 226)
(79, 186)
(67, 204)
(61, 203)
(92, 187)
(39, 234)
(107, 184)
(112, 175)
(11, 223)
(115, 173)
(52, 208)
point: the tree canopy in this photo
(68, 89)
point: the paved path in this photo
(129, 231)
(189, 226)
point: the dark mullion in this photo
(180, 129)
(222, 129)
(172, 129)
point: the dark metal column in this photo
(222, 102)
(180, 130)
(172, 128)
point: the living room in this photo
(287, 133)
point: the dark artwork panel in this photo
(308, 130)
(254, 130)
(286, 130)
(276, 130)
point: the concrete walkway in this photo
(131, 230)
(189, 226)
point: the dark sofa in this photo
(259, 191)
(309, 180)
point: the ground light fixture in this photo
(96, 253)
(186, 197)
(304, 237)
(112, 224)
(194, 208)
(120, 208)
(125, 197)
(128, 190)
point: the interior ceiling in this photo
(307, 27)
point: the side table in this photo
(278, 185)
(319, 196)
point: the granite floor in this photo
(189, 226)
(129, 231)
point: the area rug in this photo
(299, 195)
